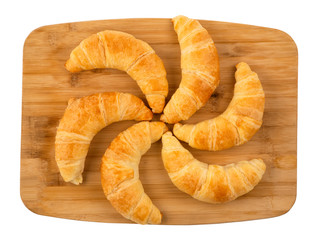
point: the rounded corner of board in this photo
(27, 206)
(288, 37)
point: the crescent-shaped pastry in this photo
(119, 50)
(83, 118)
(208, 183)
(241, 120)
(200, 70)
(120, 172)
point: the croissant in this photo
(208, 183)
(113, 49)
(83, 118)
(120, 173)
(241, 120)
(200, 70)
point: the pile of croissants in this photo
(85, 117)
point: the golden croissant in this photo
(208, 183)
(119, 50)
(241, 120)
(200, 70)
(120, 172)
(83, 118)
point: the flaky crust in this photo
(241, 120)
(83, 118)
(208, 183)
(120, 173)
(200, 70)
(119, 50)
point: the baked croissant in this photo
(200, 70)
(113, 49)
(241, 120)
(120, 172)
(83, 118)
(208, 183)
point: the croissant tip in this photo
(77, 181)
(242, 64)
(165, 128)
(238, 64)
(67, 67)
(177, 126)
(163, 118)
(174, 19)
(71, 100)
(149, 116)
(168, 133)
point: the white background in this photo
(312, 26)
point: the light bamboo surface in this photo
(47, 86)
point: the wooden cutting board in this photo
(47, 86)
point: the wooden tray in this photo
(47, 86)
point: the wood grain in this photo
(47, 86)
